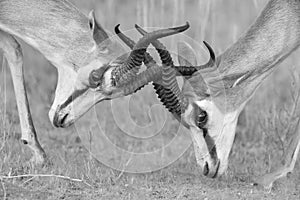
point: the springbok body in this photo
(91, 67)
(214, 107)
(212, 99)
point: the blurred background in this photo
(263, 132)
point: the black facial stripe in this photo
(210, 144)
(204, 132)
(201, 119)
(72, 97)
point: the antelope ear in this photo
(186, 54)
(99, 34)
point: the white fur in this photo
(221, 127)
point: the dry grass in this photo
(263, 131)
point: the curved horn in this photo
(161, 49)
(212, 58)
(173, 96)
(129, 42)
(141, 79)
(148, 60)
(130, 67)
(182, 70)
(151, 74)
(190, 70)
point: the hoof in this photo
(263, 182)
(39, 160)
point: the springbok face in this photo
(212, 133)
(108, 74)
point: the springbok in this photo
(91, 66)
(213, 97)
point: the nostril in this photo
(63, 119)
(205, 169)
(59, 122)
(24, 141)
(55, 120)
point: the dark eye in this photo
(95, 78)
(200, 117)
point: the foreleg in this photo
(290, 160)
(13, 55)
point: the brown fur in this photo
(274, 35)
(56, 28)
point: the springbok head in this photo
(107, 75)
(211, 114)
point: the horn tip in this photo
(140, 29)
(187, 24)
(117, 30)
(183, 28)
(206, 44)
(211, 51)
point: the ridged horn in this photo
(151, 74)
(148, 60)
(130, 43)
(190, 70)
(182, 70)
(159, 89)
(172, 97)
(212, 58)
(130, 67)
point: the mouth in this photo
(209, 172)
(60, 121)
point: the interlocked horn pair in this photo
(167, 89)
